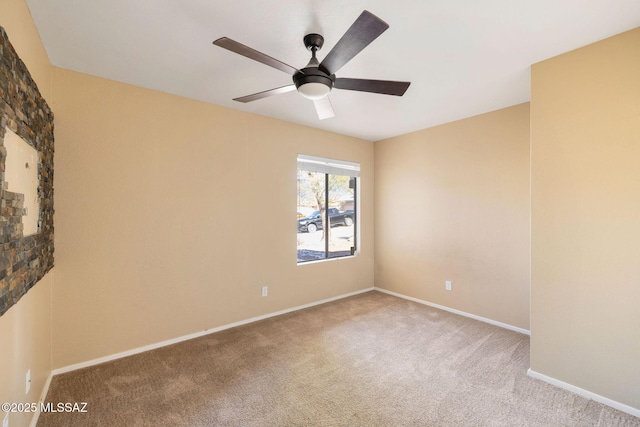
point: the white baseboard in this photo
(585, 393)
(43, 397)
(459, 312)
(131, 352)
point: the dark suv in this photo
(313, 222)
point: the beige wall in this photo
(585, 127)
(25, 330)
(452, 203)
(172, 213)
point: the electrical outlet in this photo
(28, 381)
(265, 291)
(5, 422)
(447, 285)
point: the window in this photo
(327, 194)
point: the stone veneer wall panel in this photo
(24, 260)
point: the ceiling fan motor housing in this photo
(313, 76)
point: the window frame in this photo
(335, 167)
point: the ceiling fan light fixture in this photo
(314, 90)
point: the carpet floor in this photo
(368, 360)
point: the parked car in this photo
(313, 222)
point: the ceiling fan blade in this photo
(324, 108)
(266, 93)
(386, 87)
(362, 32)
(243, 50)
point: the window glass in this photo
(327, 211)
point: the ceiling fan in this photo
(316, 79)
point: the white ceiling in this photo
(463, 57)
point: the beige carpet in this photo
(368, 360)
